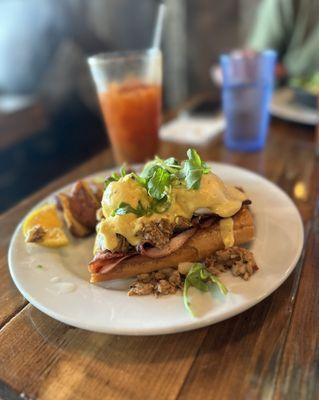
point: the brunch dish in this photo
(160, 248)
(286, 104)
(306, 89)
(166, 222)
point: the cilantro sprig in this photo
(200, 278)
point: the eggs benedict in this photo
(169, 213)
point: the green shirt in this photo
(292, 28)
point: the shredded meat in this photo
(160, 283)
(141, 289)
(182, 223)
(123, 245)
(35, 234)
(166, 281)
(164, 287)
(239, 260)
(157, 234)
(175, 279)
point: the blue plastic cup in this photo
(248, 80)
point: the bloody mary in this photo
(132, 112)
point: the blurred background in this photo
(49, 116)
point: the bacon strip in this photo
(174, 244)
(112, 264)
(106, 261)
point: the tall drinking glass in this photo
(129, 87)
(248, 79)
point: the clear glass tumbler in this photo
(129, 87)
(248, 80)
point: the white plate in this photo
(107, 308)
(283, 105)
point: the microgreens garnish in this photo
(193, 169)
(159, 177)
(125, 208)
(115, 176)
(156, 206)
(200, 278)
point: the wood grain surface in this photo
(268, 352)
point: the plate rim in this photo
(150, 331)
(277, 110)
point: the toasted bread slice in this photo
(204, 242)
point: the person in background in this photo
(44, 45)
(291, 27)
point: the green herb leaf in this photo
(193, 169)
(125, 208)
(187, 303)
(220, 285)
(159, 184)
(172, 163)
(39, 266)
(160, 206)
(123, 171)
(200, 278)
(148, 170)
(195, 278)
(115, 176)
(158, 177)
(156, 206)
(139, 179)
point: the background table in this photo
(268, 352)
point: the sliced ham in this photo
(174, 244)
(112, 264)
(104, 262)
(204, 221)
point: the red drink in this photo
(132, 112)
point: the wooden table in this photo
(268, 352)
(22, 124)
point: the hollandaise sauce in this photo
(213, 194)
(227, 231)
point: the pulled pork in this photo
(157, 234)
(163, 282)
(239, 260)
(182, 223)
(123, 245)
